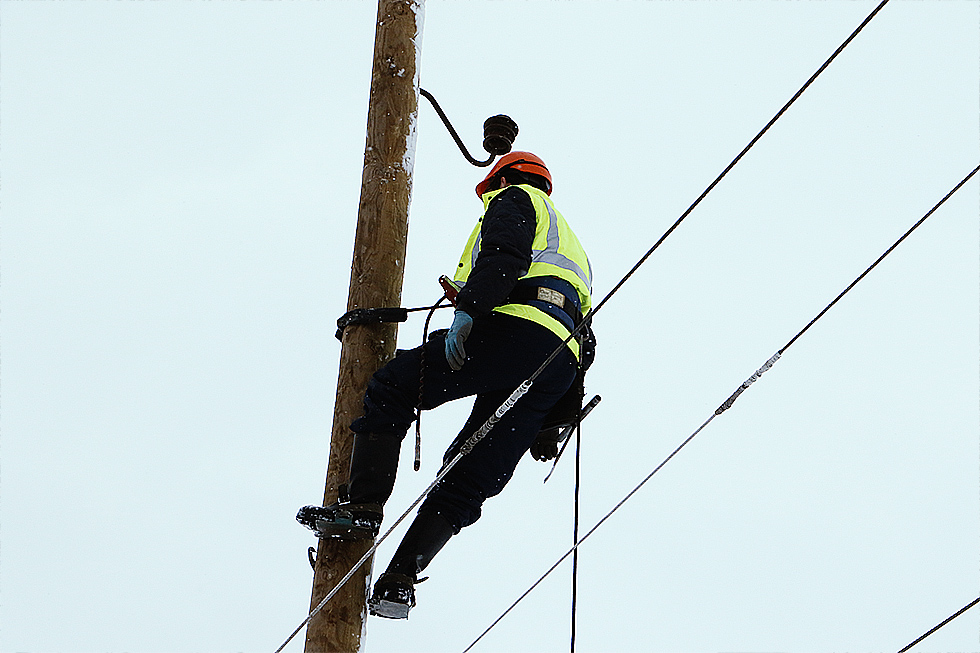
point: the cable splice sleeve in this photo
(745, 385)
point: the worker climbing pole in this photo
(342, 565)
(377, 271)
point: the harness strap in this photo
(524, 293)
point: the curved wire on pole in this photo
(452, 132)
(725, 406)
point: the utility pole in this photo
(376, 281)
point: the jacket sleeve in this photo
(505, 252)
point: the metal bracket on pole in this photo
(499, 133)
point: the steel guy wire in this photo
(522, 389)
(725, 406)
(943, 623)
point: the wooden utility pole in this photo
(376, 281)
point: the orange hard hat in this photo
(523, 161)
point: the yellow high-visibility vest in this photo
(555, 252)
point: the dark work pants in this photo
(502, 352)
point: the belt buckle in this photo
(551, 296)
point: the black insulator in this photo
(499, 133)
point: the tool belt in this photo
(524, 293)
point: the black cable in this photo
(716, 413)
(887, 252)
(587, 318)
(452, 132)
(418, 417)
(743, 152)
(948, 619)
(578, 479)
(755, 377)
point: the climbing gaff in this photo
(567, 432)
(499, 133)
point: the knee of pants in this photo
(461, 494)
(388, 405)
(458, 510)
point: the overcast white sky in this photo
(179, 192)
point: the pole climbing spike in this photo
(564, 437)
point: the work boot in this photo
(343, 520)
(359, 513)
(394, 593)
(394, 596)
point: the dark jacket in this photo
(505, 252)
(507, 234)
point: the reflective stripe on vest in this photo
(550, 254)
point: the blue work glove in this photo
(457, 335)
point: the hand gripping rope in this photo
(522, 389)
(728, 404)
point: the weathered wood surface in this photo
(376, 280)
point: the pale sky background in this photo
(178, 192)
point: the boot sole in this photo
(326, 530)
(389, 609)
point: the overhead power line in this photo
(943, 623)
(748, 147)
(723, 407)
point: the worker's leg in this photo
(485, 471)
(457, 500)
(502, 351)
(390, 406)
